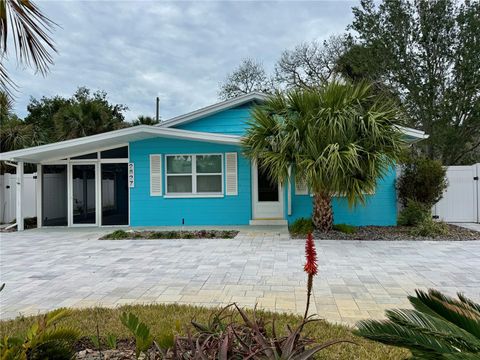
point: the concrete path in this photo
(45, 269)
(470, 226)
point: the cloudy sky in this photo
(179, 51)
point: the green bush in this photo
(429, 228)
(345, 228)
(117, 235)
(438, 327)
(301, 226)
(414, 213)
(422, 180)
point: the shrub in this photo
(429, 228)
(414, 213)
(302, 226)
(117, 235)
(438, 327)
(43, 340)
(345, 228)
(224, 338)
(422, 180)
(143, 338)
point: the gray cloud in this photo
(180, 51)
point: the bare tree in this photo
(310, 64)
(248, 77)
(30, 30)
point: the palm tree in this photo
(30, 29)
(339, 139)
(439, 327)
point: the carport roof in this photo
(68, 148)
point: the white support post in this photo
(289, 191)
(38, 191)
(19, 212)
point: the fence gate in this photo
(460, 202)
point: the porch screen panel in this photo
(54, 195)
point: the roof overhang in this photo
(412, 135)
(87, 144)
(213, 109)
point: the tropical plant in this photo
(427, 227)
(438, 327)
(141, 332)
(301, 226)
(43, 340)
(144, 120)
(225, 338)
(422, 180)
(30, 30)
(311, 268)
(112, 341)
(414, 213)
(345, 228)
(339, 139)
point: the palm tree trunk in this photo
(322, 212)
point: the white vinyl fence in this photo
(8, 195)
(461, 200)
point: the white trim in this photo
(193, 196)
(38, 186)
(289, 191)
(134, 133)
(213, 109)
(194, 174)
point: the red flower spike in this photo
(310, 267)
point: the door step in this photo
(269, 222)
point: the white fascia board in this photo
(414, 133)
(213, 109)
(67, 147)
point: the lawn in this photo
(164, 320)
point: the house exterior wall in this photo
(229, 122)
(380, 208)
(147, 210)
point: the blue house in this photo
(188, 170)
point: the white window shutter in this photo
(155, 175)
(231, 173)
(301, 187)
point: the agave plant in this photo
(224, 338)
(439, 327)
(43, 340)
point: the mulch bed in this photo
(394, 233)
(156, 235)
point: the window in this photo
(117, 153)
(194, 174)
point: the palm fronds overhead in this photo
(30, 30)
(439, 327)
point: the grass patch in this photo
(164, 320)
(152, 235)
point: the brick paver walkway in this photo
(45, 269)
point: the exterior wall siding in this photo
(230, 122)
(146, 210)
(380, 208)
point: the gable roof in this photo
(88, 144)
(213, 109)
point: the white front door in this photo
(267, 196)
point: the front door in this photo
(267, 196)
(84, 195)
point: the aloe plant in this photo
(438, 327)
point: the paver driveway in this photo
(48, 269)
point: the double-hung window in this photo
(194, 174)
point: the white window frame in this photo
(194, 174)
